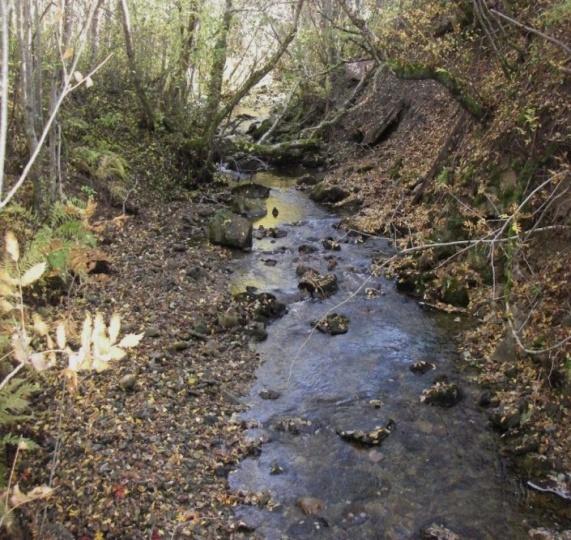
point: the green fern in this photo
(101, 163)
(14, 399)
(55, 241)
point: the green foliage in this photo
(101, 163)
(111, 120)
(64, 234)
(559, 13)
(14, 400)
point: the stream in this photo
(437, 465)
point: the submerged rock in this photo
(307, 180)
(334, 324)
(438, 532)
(271, 232)
(251, 190)
(373, 437)
(294, 425)
(230, 230)
(269, 394)
(324, 193)
(311, 506)
(306, 249)
(317, 284)
(442, 393)
(250, 208)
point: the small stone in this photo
(311, 506)
(306, 249)
(178, 346)
(422, 367)
(276, 468)
(179, 248)
(269, 394)
(331, 244)
(376, 403)
(229, 319)
(128, 382)
(369, 438)
(152, 332)
(375, 456)
(372, 293)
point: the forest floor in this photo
(144, 449)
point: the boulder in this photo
(230, 230)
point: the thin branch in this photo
(547, 37)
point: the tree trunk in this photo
(148, 114)
(217, 78)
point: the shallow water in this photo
(439, 465)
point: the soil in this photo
(144, 448)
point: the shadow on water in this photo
(438, 465)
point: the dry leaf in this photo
(131, 340)
(40, 326)
(60, 336)
(12, 246)
(33, 274)
(114, 327)
(19, 497)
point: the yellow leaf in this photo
(5, 306)
(131, 340)
(12, 246)
(40, 326)
(33, 274)
(68, 53)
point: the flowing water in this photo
(438, 465)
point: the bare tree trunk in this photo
(94, 31)
(217, 77)
(5, 13)
(148, 114)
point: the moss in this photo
(457, 88)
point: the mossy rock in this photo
(231, 230)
